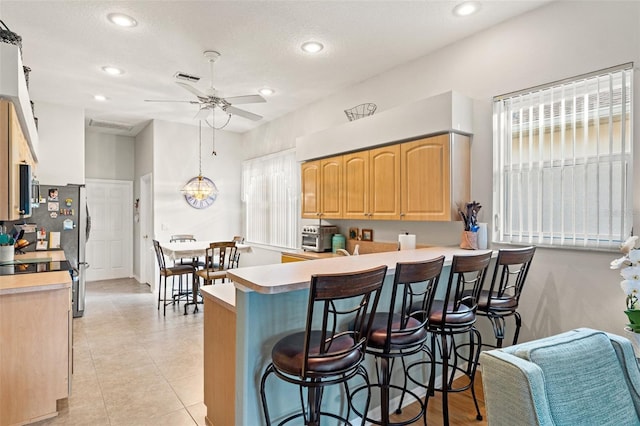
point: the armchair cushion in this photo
(579, 377)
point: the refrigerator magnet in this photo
(52, 207)
(53, 215)
(67, 224)
(53, 194)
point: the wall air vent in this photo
(110, 125)
(186, 77)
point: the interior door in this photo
(110, 248)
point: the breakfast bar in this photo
(243, 321)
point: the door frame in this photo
(146, 257)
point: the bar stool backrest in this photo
(513, 266)
(465, 282)
(335, 300)
(159, 255)
(415, 285)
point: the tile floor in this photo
(132, 366)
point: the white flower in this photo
(629, 244)
(634, 257)
(616, 264)
(632, 273)
(630, 287)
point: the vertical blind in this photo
(271, 193)
(563, 164)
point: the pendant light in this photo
(199, 188)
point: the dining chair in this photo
(325, 353)
(238, 240)
(169, 271)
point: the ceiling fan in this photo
(209, 101)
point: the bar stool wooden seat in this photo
(401, 331)
(449, 318)
(327, 352)
(501, 300)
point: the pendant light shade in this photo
(200, 191)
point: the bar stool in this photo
(502, 298)
(454, 316)
(322, 355)
(168, 271)
(401, 331)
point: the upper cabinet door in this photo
(384, 183)
(311, 200)
(429, 166)
(331, 187)
(356, 185)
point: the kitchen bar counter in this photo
(270, 302)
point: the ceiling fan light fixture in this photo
(266, 91)
(111, 70)
(100, 98)
(122, 20)
(312, 46)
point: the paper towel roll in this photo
(482, 236)
(407, 241)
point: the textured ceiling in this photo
(67, 42)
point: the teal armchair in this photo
(581, 377)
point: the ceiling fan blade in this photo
(243, 113)
(192, 89)
(169, 100)
(246, 99)
(203, 113)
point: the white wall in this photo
(175, 161)
(61, 147)
(109, 156)
(566, 288)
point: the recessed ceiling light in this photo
(312, 46)
(466, 8)
(100, 98)
(266, 91)
(122, 20)
(112, 70)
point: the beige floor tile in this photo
(190, 390)
(198, 412)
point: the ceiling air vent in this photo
(110, 125)
(186, 77)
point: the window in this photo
(271, 193)
(563, 163)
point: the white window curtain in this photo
(563, 164)
(271, 194)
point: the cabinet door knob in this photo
(401, 214)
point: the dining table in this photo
(193, 250)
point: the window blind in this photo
(271, 194)
(563, 163)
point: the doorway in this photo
(110, 248)
(147, 254)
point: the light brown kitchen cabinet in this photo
(14, 150)
(371, 187)
(435, 176)
(421, 180)
(321, 188)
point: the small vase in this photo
(634, 319)
(6, 254)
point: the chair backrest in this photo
(335, 300)
(414, 288)
(226, 251)
(465, 283)
(181, 238)
(159, 255)
(238, 239)
(510, 273)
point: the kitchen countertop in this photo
(285, 277)
(22, 283)
(311, 255)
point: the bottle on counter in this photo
(337, 242)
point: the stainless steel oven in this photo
(317, 238)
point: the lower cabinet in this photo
(35, 354)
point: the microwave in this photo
(318, 237)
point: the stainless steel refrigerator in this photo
(66, 213)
